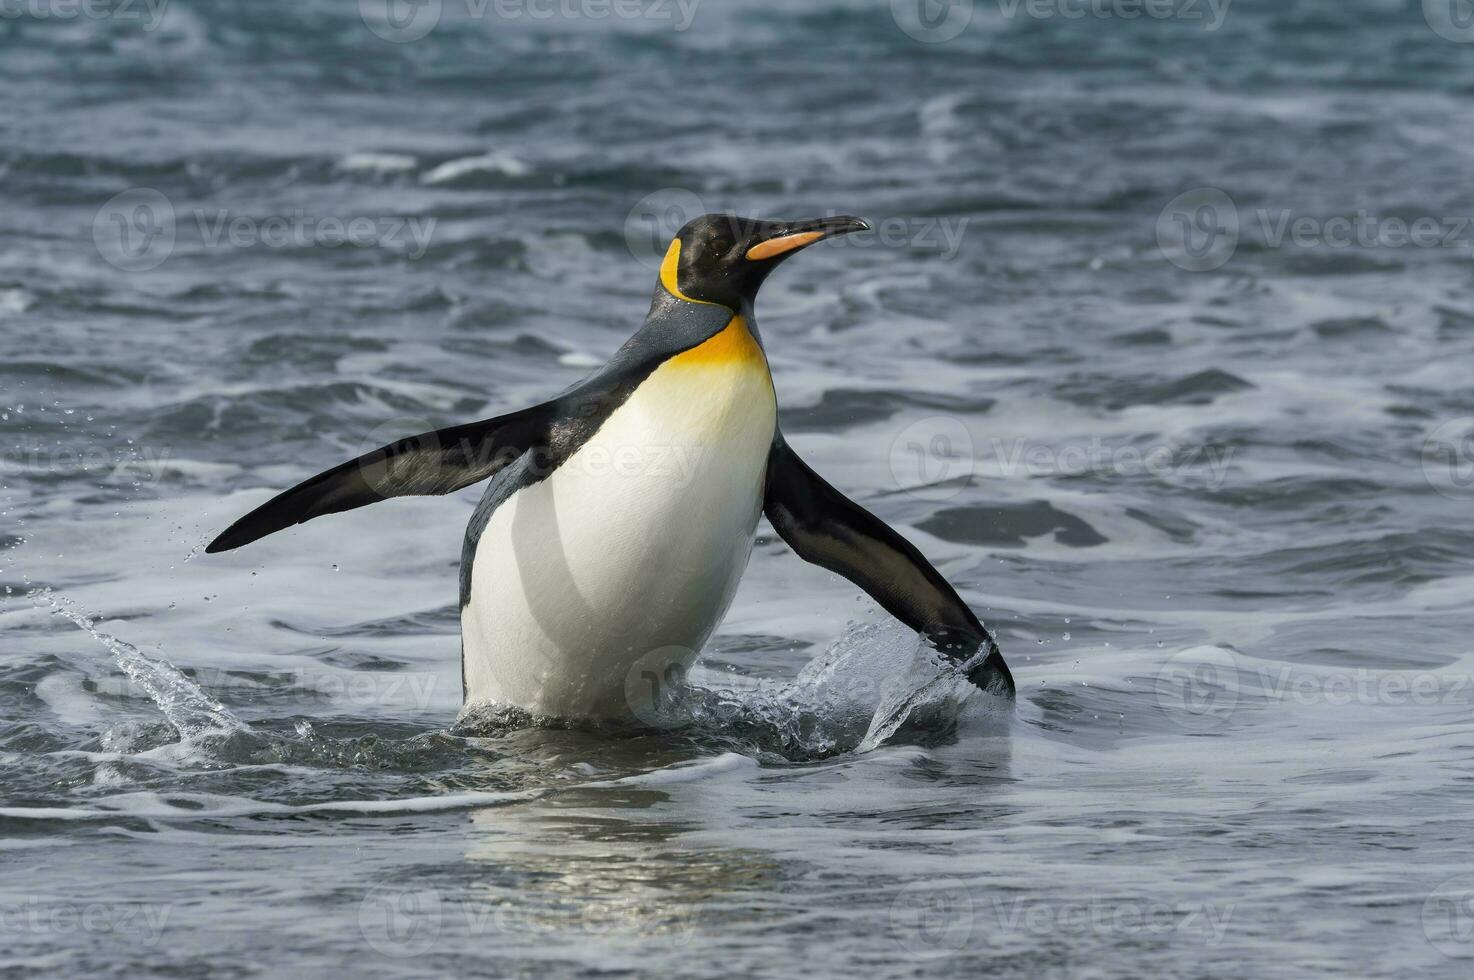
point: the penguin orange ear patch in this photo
(774, 247)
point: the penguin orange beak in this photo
(798, 234)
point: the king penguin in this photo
(621, 513)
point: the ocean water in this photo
(1160, 351)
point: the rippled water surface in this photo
(1198, 452)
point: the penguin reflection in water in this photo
(621, 513)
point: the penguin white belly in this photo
(635, 544)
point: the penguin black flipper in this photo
(825, 527)
(450, 459)
(437, 462)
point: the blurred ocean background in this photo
(1161, 351)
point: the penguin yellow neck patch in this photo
(734, 346)
(669, 268)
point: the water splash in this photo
(878, 684)
(184, 704)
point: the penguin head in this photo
(723, 258)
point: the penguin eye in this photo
(717, 247)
